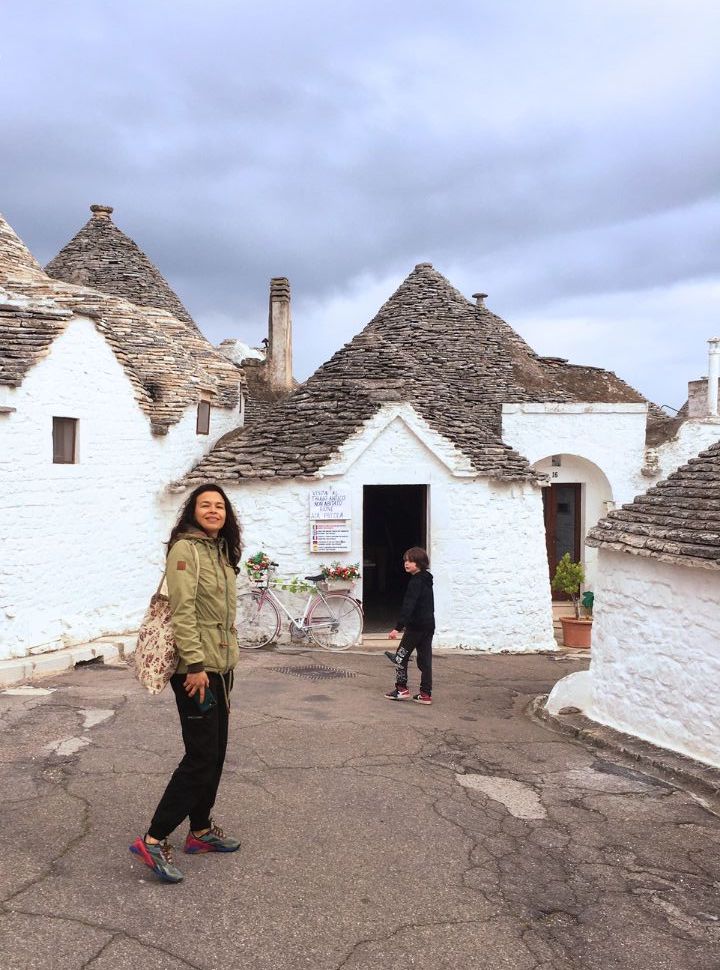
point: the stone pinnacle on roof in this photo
(101, 256)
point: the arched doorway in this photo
(577, 497)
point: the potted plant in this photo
(339, 576)
(569, 577)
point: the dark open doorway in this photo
(561, 508)
(394, 519)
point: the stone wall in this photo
(83, 542)
(486, 539)
(655, 668)
(692, 437)
(611, 436)
(602, 446)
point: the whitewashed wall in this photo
(692, 437)
(486, 544)
(602, 446)
(655, 668)
(82, 543)
(595, 498)
(611, 436)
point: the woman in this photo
(203, 555)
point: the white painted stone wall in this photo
(610, 436)
(655, 667)
(82, 543)
(595, 499)
(692, 437)
(602, 446)
(486, 539)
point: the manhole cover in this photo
(315, 672)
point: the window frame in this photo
(201, 414)
(60, 455)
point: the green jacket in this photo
(202, 604)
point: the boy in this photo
(417, 619)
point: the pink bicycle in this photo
(332, 620)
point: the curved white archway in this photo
(596, 497)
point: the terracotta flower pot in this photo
(576, 633)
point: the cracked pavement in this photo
(375, 834)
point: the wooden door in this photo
(561, 509)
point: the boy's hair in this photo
(418, 556)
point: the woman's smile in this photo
(210, 512)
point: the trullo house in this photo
(107, 392)
(438, 425)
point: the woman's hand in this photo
(196, 682)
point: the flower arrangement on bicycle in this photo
(257, 566)
(336, 572)
(332, 619)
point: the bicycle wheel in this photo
(258, 621)
(336, 622)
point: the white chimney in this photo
(280, 334)
(713, 375)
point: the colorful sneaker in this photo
(213, 841)
(422, 698)
(159, 858)
(398, 694)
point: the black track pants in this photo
(192, 789)
(419, 640)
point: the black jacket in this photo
(418, 605)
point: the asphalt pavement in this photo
(376, 834)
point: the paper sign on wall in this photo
(330, 537)
(329, 503)
(330, 514)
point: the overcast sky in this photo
(563, 157)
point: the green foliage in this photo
(569, 577)
(294, 585)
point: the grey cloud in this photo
(536, 156)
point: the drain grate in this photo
(315, 672)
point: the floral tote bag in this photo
(156, 657)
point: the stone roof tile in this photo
(101, 256)
(167, 360)
(455, 362)
(676, 521)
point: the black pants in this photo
(419, 640)
(192, 789)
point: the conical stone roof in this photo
(167, 360)
(676, 521)
(16, 260)
(101, 256)
(455, 362)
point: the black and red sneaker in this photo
(398, 694)
(422, 698)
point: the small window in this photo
(203, 418)
(65, 441)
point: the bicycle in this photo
(333, 621)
